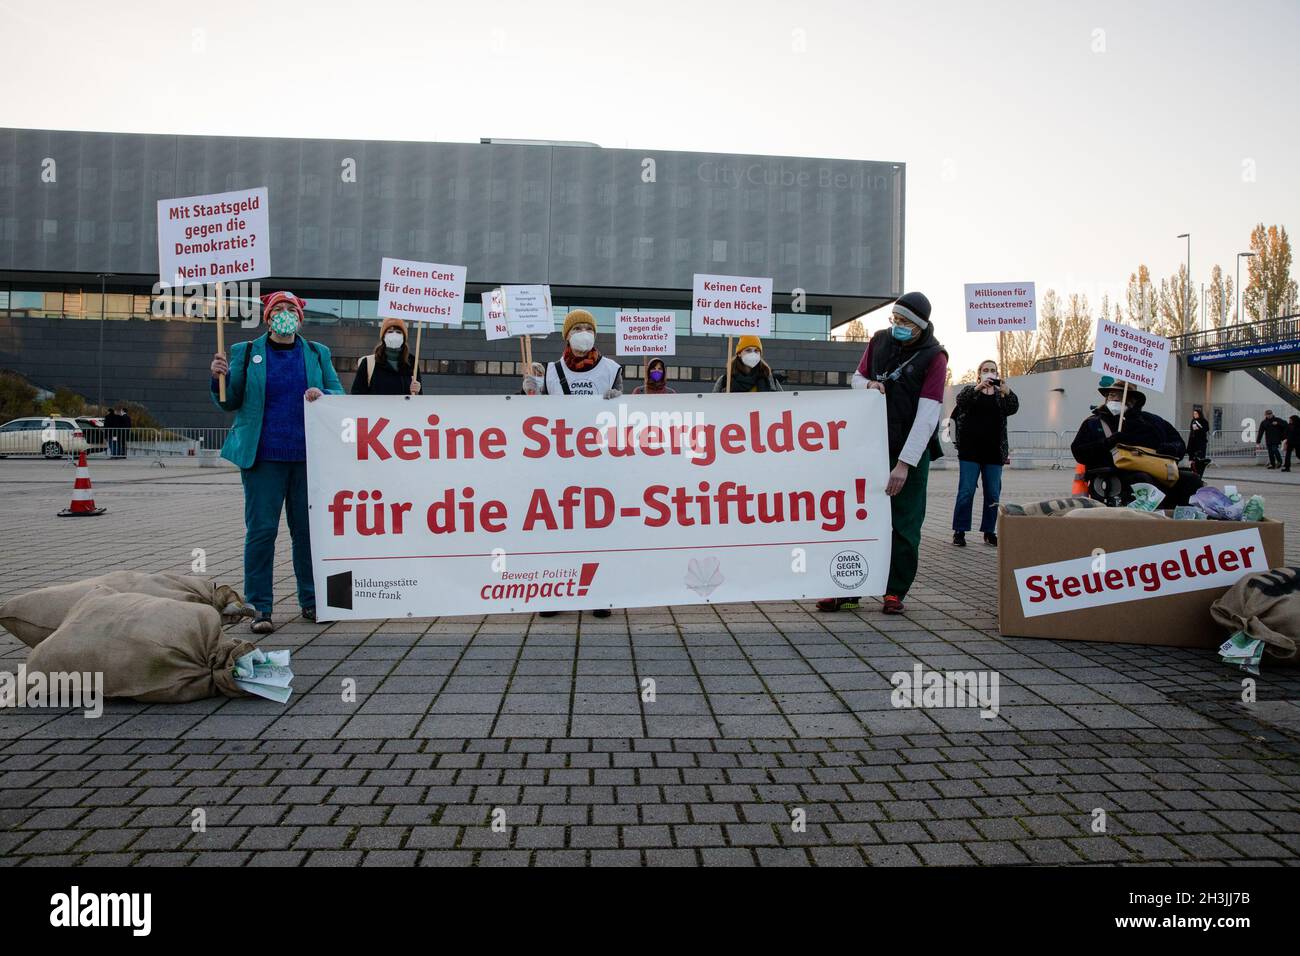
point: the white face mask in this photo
(582, 341)
(394, 340)
(750, 358)
(1115, 407)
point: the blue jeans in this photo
(272, 487)
(991, 476)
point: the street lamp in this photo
(1240, 256)
(1187, 280)
(103, 278)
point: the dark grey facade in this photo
(606, 228)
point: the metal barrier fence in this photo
(156, 443)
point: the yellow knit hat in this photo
(749, 342)
(578, 317)
(393, 322)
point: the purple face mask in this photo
(656, 375)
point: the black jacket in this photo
(902, 369)
(1272, 431)
(978, 418)
(1198, 436)
(1092, 448)
(384, 381)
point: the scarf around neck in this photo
(584, 363)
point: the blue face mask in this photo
(901, 332)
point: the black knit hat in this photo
(915, 306)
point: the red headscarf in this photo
(272, 299)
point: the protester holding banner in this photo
(749, 372)
(582, 370)
(656, 375)
(980, 423)
(390, 369)
(908, 365)
(269, 378)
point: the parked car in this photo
(50, 437)
(96, 437)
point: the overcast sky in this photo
(1060, 143)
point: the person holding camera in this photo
(980, 426)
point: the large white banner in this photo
(1131, 355)
(442, 505)
(222, 237)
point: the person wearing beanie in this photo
(749, 372)
(269, 378)
(656, 380)
(390, 368)
(581, 370)
(905, 363)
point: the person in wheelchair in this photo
(1101, 432)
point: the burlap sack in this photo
(1050, 506)
(1267, 607)
(156, 650)
(34, 616)
(1116, 513)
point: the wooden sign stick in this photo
(1123, 402)
(730, 359)
(221, 336)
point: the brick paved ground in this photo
(761, 710)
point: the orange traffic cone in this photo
(83, 501)
(1080, 486)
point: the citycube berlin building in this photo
(607, 229)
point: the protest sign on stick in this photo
(1001, 307)
(731, 305)
(1131, 356)
(211, 239)
(645, 333)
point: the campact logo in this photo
(525, 586)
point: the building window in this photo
(719, 198)
(164, 182)
(421, 188)
(755, 252)
(530, 244)
(457, 188)
(457, 239)
(682, 196)
(87, 177)
(47, 230)
(791, 201)
(124, 178)
(681, 249)
(309, 185)
(121, 233)
(719, 250)
(85, 230)
(606, 247)
(497, 191)
(607, 194)
(567, 244)
(534, 191)
(418, 239)
(9, 229)
(344, 238)
(494, 243)
(568, 194)
(789, 253)
(825, 255)
(309, 238)
(8, 175)
(643, 248)
(643, 196)
(860, 257)
(381, 240)
(756, 200)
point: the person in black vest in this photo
(980, 416)
(390, 369)
(907, 364)
(1198, 438)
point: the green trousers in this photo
(908, 510)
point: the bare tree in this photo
(1050, 325)
(855, 331)
(1020, 350)
(1270, 287)
(1219, 298)
(1178, 306)
(1142, 300)
(1078, 327)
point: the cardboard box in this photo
(1152, 582)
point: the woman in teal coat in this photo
(269, 378)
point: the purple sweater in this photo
(284, 436)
